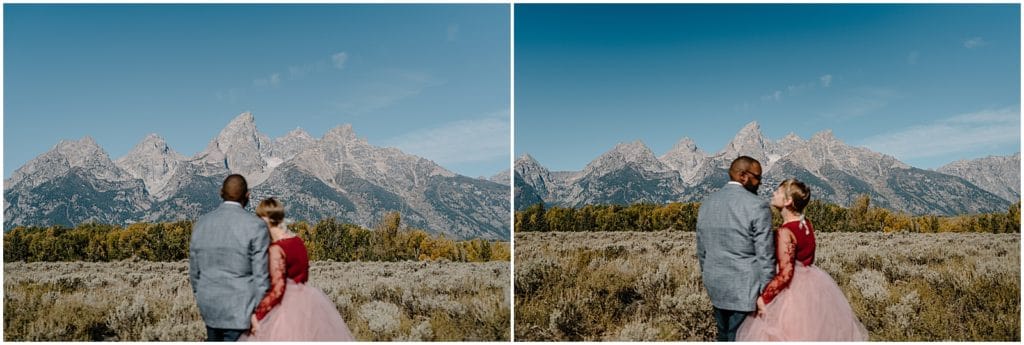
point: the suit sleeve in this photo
(764, 245)
(193, 267)
(701, 251)
(260, 274)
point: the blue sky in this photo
(928, 84)
(432, 80)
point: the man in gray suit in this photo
(735, 246)
(227, 263)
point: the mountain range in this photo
(338, 175)
(836, 172)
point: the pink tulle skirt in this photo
(812, 308)
(305, 314)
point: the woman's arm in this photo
(277, 282)
(785, 251)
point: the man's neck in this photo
(735, 183)
(233, 203)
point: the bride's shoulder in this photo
(286, 238)
(785, 231)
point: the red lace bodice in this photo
(794, 241)
(288, 260)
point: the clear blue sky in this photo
(928, 84)
(432, 80)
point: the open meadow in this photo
(153, 301)
(643, 286)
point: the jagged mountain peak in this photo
(152, 161)
(635, 153)
(526, 158)
(343, 133)
(82, 152)
(291, 144)
(241, 129)
(748, 141)
(825, 136)
(988, 158)
(785, 146)
(153, 146)
(686, 144)
(298, 132)
(751, 128)
(240, 148)
(151, 143)
(837, 171)
(635, 148)
(685, 157)
(353, 181)
(999, 175)
(243, 119)
(502, 177)
(527, 165)
(750, 132)
(153, 137)
(86, 142)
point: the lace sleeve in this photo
(277, 282)
(786, 254)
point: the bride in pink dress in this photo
(802, 302)
(292, 310)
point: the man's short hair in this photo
(741, 164)
(234, 188)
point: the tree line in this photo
(827, 217)
(326, 240)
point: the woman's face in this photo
(779, 198)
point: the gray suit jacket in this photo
(227, 265)
(735, 247)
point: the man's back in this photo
(228, 265)
(735, 247)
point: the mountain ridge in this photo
(338, 175)
(837, 172)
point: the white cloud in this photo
(271, 80)
(774, 96)
(826, 80)
(963, 133)
(339, 60)
(975, 42)
(299, 72)
(453, 32)
(473, 140)
(798, 89)
(391, 87)
(861, 101)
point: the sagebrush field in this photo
(644, 286)
(153, 301)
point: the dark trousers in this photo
(728, 322)
(222, 334)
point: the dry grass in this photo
(152, 301)
(647, 285)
